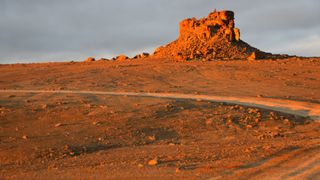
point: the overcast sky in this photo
(64, 30)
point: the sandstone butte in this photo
(211, 38)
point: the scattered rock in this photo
(252, 111)
(25, 137)
(269, 135)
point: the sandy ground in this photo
(66, 135)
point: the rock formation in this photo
(103, 59)
(213, 37)
(141, 56)
(121, 57)
(90, 59)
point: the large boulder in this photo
(121, 57)
(90, 59)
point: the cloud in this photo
(60, 30)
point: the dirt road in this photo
(304, 109)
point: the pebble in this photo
(95, 123)
(58, 125)
(25, 137)
(153, 162)
(209, 122)
(151, 138)
(249, 126)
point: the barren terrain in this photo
(53, 131)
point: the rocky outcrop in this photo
(141, 56)
(209, 38)
(121, 57)
(90, 59)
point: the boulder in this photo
(103, 59)
(90, 59)
(141, 56)
(121, 57)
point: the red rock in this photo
(252, 57)
(90, 59)
(153, 162)
(122, 57)
(142, 55)
(212, 37)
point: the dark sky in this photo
(63, 30)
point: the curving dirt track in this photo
(304, 109)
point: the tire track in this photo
(304, 109)
(293, 163)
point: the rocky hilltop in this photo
(212, 37)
